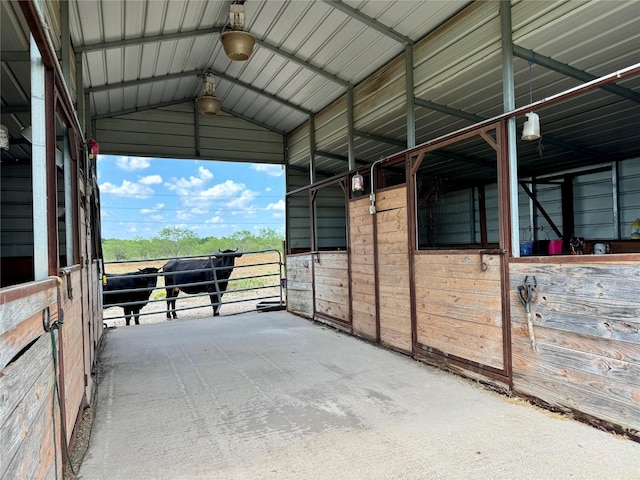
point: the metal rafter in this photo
(573, 72)
(477, 118)
(196, 73)
(131, 42)
(369, 21)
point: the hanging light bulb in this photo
(208, 104)
(531, 130)
(237, 44)
(357, 183)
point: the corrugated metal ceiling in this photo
(316, 33)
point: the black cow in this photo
(205, 275)
(121, 289)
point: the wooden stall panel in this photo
(26, 423)
(393, 269)
(363, 280)
(299, 284)
(459, 306)
(331, 284)
(73, 346)
(587, 333)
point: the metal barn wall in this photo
(169, 133)
(629, 202)
(16, 222)
(330, 212)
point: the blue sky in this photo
(141, 196)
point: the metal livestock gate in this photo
(258, 283)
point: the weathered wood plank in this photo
(467, 314)
(333, 309)
(17, 310)
(32, 396)
(425, 297)
(593, 392)
(300, 302)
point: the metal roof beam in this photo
(380, 138)
(477, 119)
(570, 71)
(206, 31)
(302, 63)
(369, 21)
(196, 73)
(130, 42)
(181, 101)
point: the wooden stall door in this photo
(459, 307)
(331, 287)
(393, 269)
(363, 272)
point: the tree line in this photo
(181, 242)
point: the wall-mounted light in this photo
(208, 104)
(237, 44)
(357, 183)
(4, 137)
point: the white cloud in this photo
(183, 185)
(272, 170)
(268, 189)
(151, 180)
(216, 219)
(127, 189)
(279, 206)
(130, 164)
(157, 208)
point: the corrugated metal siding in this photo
(169, 132)
(629, 187)
(16, 221)
(593, 206)
(330, 211)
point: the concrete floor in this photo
(273, 396)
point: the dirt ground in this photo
(249, 265)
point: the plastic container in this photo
(555, 247)
(526, 248)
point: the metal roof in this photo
(148, 55)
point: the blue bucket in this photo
(526, 248)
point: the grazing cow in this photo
(128, 288)
(203, 275)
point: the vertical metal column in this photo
(80, 95)
(508, 96)
(65, 39)
(68, 199)
(38, 164)
(312, 149)
(350, 128)
(411, 107)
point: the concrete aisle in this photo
(273, 396)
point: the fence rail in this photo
(259, 281)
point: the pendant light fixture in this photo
(531, 129)
(208, 104)
(237, 44)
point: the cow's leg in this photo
(172, 293)
(136, 315)
(215, 303)
(127, 314)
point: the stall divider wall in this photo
(587, 335)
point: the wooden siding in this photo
(363, 274)
(331, 285)
(26, 380)
(393, 269)
(299, 284)
(587, 332)
(459, 306)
